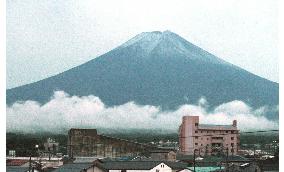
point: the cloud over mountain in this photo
(64, 111)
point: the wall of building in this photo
(207, 139)
(87, 143)
(186, 131)
(163, 156)
(161, 168)
(94, 169)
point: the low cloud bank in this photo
(63, 112)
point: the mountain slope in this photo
(156, 68)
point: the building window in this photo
(227, 131)
(196, 131)
(232, 132)
(232, 138)
(207, 131)
(157, 170)
(196, 144)
(196, 137)
(232, 144)
(196, 124)
(201, 144)
(207, 138)
(201, 131)
(213, 131)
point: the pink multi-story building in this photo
(207, 139)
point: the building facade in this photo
(163, 154)
(88, 143)
(207, 139)
(51, 145)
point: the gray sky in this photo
(47, 37)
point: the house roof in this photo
(84, 159)
(161, 151)
(16, 169)
(140, 165)
(243, 167)
(231, 158)
(16, 162)
(74, 167)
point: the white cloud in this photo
(63, 112)
(234, 107)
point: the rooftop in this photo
(81, 160)
(162, 150)
(217, 127)
(139, 165)
(73, 167)
(16, 162)
(16, 169)
(231, 158)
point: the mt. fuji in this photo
(156, 68)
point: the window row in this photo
(218, 138)
(217, 131)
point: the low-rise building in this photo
(88, 143)
(12, 153)
(38, 163)
(51, 145)
(163, 154)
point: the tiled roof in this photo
(231, 158)
(140, 165)
(237, 158)
(16, 162)
(74, 167)
(162, 151)
(84, 159)
(16, 169)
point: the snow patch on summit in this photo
(168, 43)
(146, 41)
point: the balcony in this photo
(217, 140)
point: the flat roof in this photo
(216, 127)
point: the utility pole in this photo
(227, 155)
(254, 152)
(30, 163)
(194, 160)
(49, 156)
